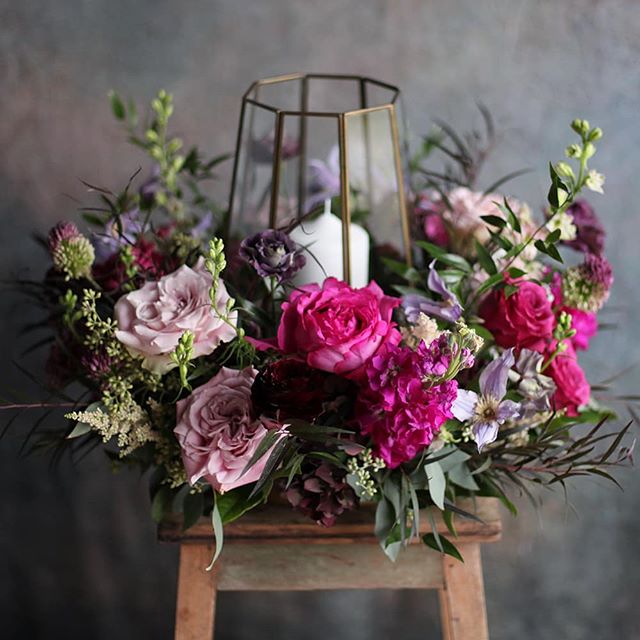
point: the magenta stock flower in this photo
(402, 405)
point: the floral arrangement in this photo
(203, 363)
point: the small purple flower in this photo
(263, 149)
(449, 308)
(488, 410)
(590, 232)
(273, 254)
(116, 235)
(324, 179)
(149, 188)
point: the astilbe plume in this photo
(321, 492)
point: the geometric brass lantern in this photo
(303, 138)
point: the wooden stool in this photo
(277, 549)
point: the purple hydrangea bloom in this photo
(488, 409)
(590, 232)
(273, 254)
(449, 308)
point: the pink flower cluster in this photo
(527, 319)
(398, 407)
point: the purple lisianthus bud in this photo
(273, 254)
(590, 234)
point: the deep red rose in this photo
(110, 274)
(572, 387)
(524, 319)
(290, 388)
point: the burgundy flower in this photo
(290, 388)
(590, 232)
(321, 492)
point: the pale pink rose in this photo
(152, 319)
(217, 434)
(463, 218)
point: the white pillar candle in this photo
(322, 238)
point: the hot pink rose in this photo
(152, 319)
(523, 320)
(572, 387)
(216, 432)
(337, 328)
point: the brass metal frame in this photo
(252, 97)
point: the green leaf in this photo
(277, 453)
(433, 250)
(192, 507)
(80, 429)
(553, 237)
(117, 106)
(385, 519)
(265, 444)
(447, 546)
(461, 476)
(452, 457)
(161, 503)
(218, 530)
(235, 503)
(437, 483)
(485, 259)
(495, 221)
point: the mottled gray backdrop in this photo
(77, 552)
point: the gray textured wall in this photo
(77, 548)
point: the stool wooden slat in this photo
(277, 549)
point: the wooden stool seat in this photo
(278, 549)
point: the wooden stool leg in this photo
(462, 604)
(196, 604)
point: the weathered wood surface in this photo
(462, 604)
(307, 567)
(196, 602)
(280, 523)
(278, 549)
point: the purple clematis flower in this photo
(449, 308)
(488, 410)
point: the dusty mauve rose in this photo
(572, 387)
(217, 434)
(337, 328)
(525, 319)
(152, 319)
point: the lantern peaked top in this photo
(304, 138)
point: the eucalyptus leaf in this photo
(437, 483)
(218, 531)
(461, 476)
